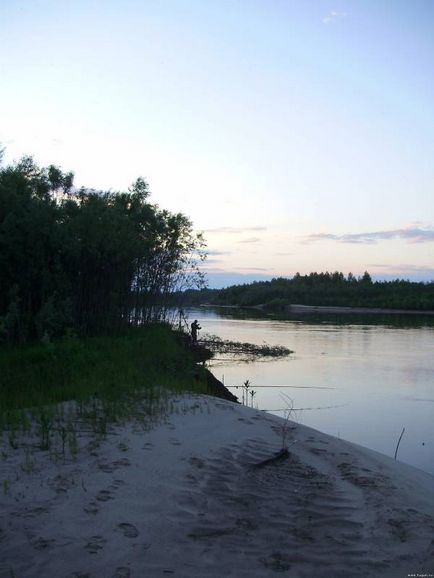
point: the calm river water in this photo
(361, 379)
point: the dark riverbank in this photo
(323, 309)
(200, 355)
(217, 389)
(353, 310)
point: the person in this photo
(194, 329)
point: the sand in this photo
(184, 499)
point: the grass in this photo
(107, 378)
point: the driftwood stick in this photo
(279, 457)
(399, 441)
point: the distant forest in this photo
(85, 262)
(326, 289)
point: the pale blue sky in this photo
(299, 135)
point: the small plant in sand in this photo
(63, 432)
(45, 425)
(123, 446)
(246, 386)
(6, 487)
(73, 443)
(284, 430)
(12, 439)
(288, 416)
(29, 463)
(246, 393)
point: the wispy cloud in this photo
(333, 16)
(234, 230)
(402, 270)
(206, 269)
(409, 234)
(218, 278)
(253, 269)
(250, 240)
(210, 262)
(214, 253)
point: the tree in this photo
(89, 260)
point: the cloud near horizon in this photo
(217, 278)
(234, 230)
(409, 234)
(253, 269)
(404, 269)
(250, 240)
(216, 253)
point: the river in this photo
(359, 378)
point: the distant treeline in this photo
(326, 289)
(85, 261)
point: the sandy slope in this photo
(184, 500)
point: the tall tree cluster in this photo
(330, 289)
(83, 260)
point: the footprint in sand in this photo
(122, 572)
(197, 462)
(107, 468)
(123, 462)
(317, 451)
(34, 512)
(41, 543)
(244, 420)
(61, 484)
(91, 508)
(104, 496)
(95, 544)
(128, 530)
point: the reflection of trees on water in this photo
(394, 320)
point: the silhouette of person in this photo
(194, 329)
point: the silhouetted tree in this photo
(86, 260)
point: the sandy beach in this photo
(192, 498)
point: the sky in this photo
(298, 135)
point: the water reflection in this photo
(367, 320)
(355, 377)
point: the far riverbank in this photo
(297, 308)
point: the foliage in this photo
(326, 289)
(105, 368)
(251, 350)
(54, 394)
(85, 261)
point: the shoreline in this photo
(184, 498)
(297, 308)
(364, 310)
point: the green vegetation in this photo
(109, 367)
(321, 289)
(85, 262)
(238, 348)
(84, 286)
(108, 377)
